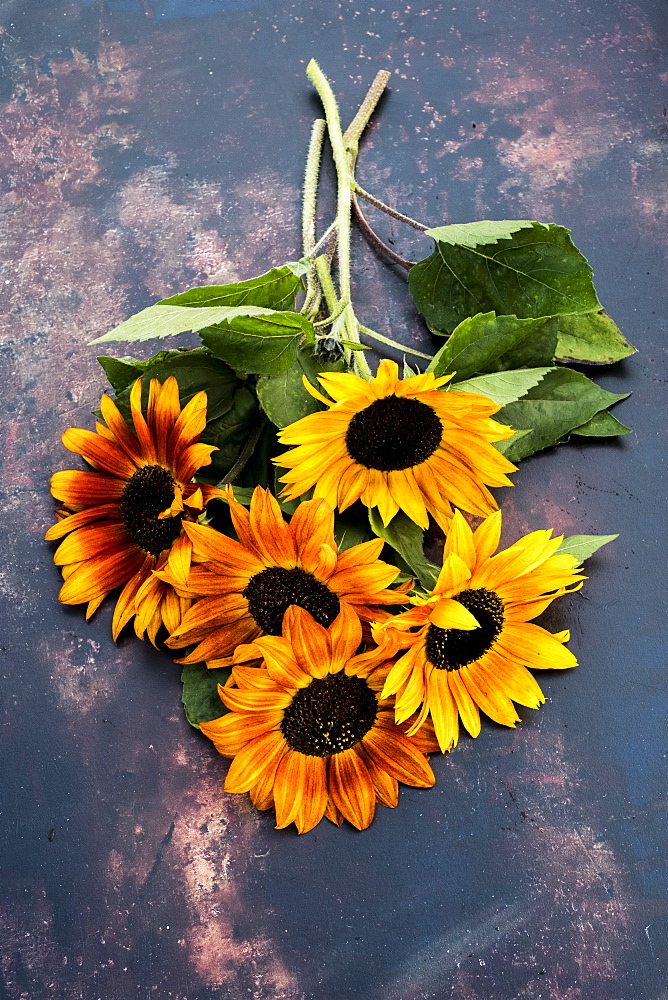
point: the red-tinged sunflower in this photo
(397, 444)
(474, 637)
(246, 586)
(126, 519)
(310, 733)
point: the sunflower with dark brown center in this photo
(126, 518)
(310, 732)
(469, 644)
(397, 444)
(246, 586)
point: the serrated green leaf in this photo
(200, 697)
(503, 387)
(584, 546)
(563, 400)
(259, 345)
(168, 321)
(602, 424)
(591, 338)
(277, 289)
(284, 398)
(477, 234)
(406, 538)
(490, 343)
(535, 272)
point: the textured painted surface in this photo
(142, 150)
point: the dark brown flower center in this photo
(332, 714)
(148, 492)
(393, 433)
(452, 648)
(271, 592)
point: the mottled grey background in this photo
(147, 145)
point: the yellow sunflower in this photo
(126, 518)
(311, 735)
(474, 637)
(246, 586)
(397, 444)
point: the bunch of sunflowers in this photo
(327, 673)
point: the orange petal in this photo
(100, 575)
(74, 521)
(91, 541)
(443, 710)
(448, 613)
(144, 433)
(98, 452)
(351, 788)
(250, 763)
(393, 751)
(119, 428)
(85, 489)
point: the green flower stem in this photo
(326, 283)
(343, 207)
(309, 203)
(386, 208)
(393, 343)
(343, 304)
(354, 131)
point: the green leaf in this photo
(232, 409)
(277, 289)
(351, 527)
(407, 538)
(602, 424)
(584, 546)
(563, 400)
(477, 234)
(121, 372)
(504, 387)
(591, 338)
(490, 343)
(536, 271)
(167, 321)
(284, 398)
(259, 344)
(408, 371)
(200, 697)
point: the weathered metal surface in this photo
(143, 150)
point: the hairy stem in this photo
(376, 240)
(309, 205)
(393, 343)
(343, 206)
(387, 209)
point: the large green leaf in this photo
(490, 343)
(284, 398)
(200, 697)
(352, 527)
(261, 345)
(536, 271)
(562, 401)
(232, 409)
(602, 424)
(277, 289)
(406, 538)
(503, 387)
(591, 338)
(584, 546)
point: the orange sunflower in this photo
(126, 518)
(311, 735)
(246, 586)
(474, 637)
(397, 444)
